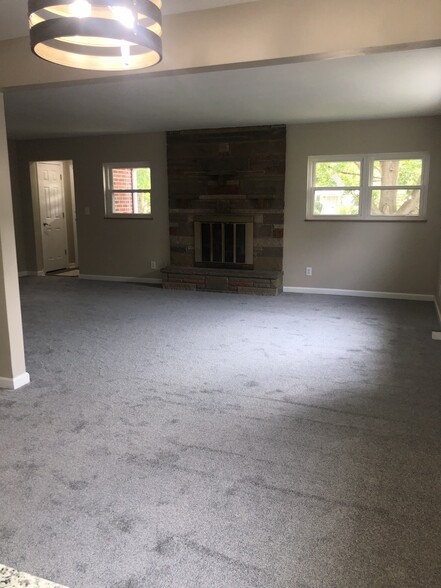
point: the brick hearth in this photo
(264, 283)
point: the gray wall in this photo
(374, 256)
(115, 247)
(438, 289)
(378, 256)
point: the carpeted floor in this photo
(197, 440)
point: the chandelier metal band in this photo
(115, 35)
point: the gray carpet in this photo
(197, 440)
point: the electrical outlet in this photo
(308, 271)
(153, 264)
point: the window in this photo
(368, 187)
(127, 190)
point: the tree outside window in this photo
(368, 187)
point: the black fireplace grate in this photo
(223, 242)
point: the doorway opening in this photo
(55, 222)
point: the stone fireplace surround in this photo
(235, 173)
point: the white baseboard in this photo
(436, 335)
(438, 310)
(133, 280)
(102, 278)
(360, 293)
(14, 383)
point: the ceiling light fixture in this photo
(105, 35)
(81, 8)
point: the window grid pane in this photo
(142, 201)
(336, 202)
(400, 202)
(122, 203)
(396, 172)
(335, 174)
(131, 203)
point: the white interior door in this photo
(52, 215)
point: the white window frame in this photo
(366, 164)
(109, 190)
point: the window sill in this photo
(129, 216)
(366, 220)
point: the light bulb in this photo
(124, 15)
(81, 8)
(125, 53)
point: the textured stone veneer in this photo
(263, 283)
(237, 171)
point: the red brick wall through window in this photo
(122, 179)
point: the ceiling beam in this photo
(255, 34)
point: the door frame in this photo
(74, 215)
(33, 169)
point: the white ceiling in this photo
(405, 83)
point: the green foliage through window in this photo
(367, 187)
(144, 203)
(337, 173)
(142, 175)
(397, 172)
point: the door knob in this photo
(46, 225)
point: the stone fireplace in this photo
(226, 202)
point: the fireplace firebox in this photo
(224, 242)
